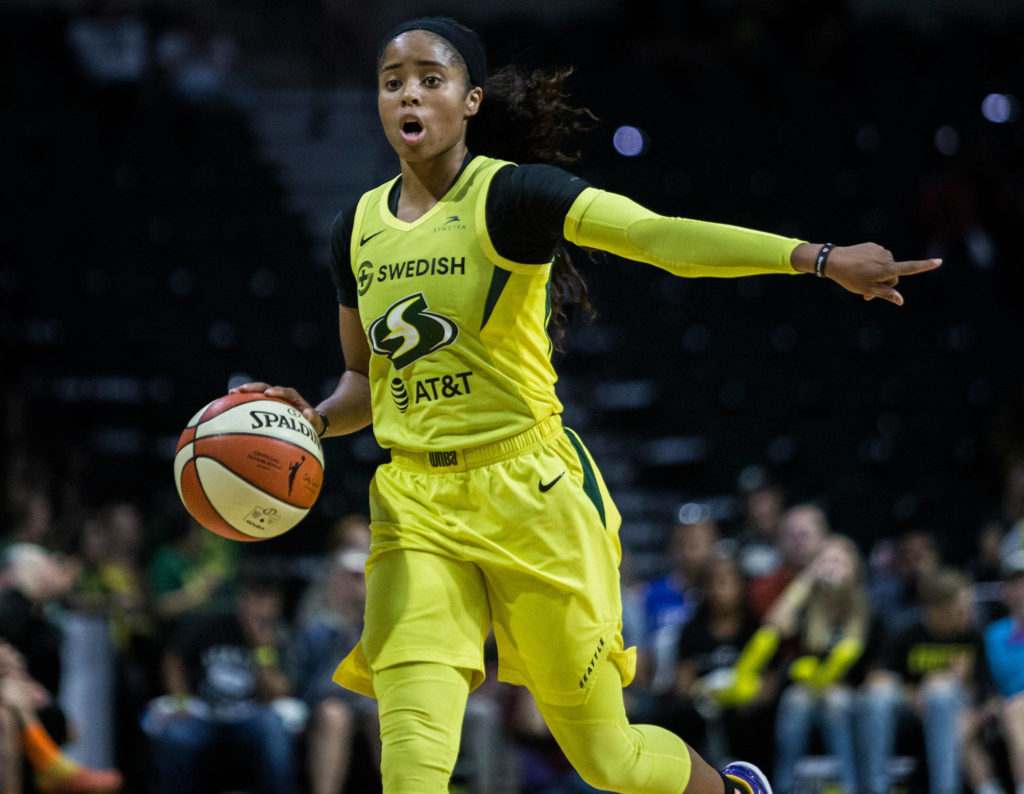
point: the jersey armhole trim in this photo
(357, 223)
(484, 237)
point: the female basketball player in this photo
(490, 513)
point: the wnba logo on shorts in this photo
(443, 458)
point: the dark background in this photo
(153, 250)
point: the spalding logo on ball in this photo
(248, 466)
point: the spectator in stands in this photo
(1013, 506)
(634, 593)
(671, 599)
(931, 676)
(1004, 650)
(30, 667)
(337, 715)
(1014, 540)
(721, 698)
(1013, 489)
(985, 568)
(28, 517)
(223, 674)
(197, 59)
(192, 571)
(802, 533)
(825, 617)
(110, 42)
(349, 532)
(987, 562)
(111, 580)
(896, 589)
(112, 584)
(758, 539)
(543, 767)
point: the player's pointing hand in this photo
(866, 269)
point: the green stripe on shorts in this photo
(590, 487)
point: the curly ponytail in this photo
(524, 118)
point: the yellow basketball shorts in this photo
(520, 535)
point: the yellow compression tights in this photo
(611, 754)
(421, 708)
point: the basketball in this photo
(248, 467)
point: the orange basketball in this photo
(248, 466)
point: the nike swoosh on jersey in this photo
(548, 486)
(365, 240)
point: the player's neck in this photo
(425, 183)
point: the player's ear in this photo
(473, 99)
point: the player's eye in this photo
(432, 80)
(391, 85)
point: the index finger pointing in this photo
(911, 267)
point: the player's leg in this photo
(613, 755)
(556, 606)
(421, 709)
(426, 619)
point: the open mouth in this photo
(412, 131)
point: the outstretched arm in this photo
(614, 223)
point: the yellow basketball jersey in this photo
(461, 354)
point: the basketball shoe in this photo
(748, 777)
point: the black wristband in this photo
(327, 423)
(822, 258)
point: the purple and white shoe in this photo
(748, 776)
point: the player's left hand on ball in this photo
(869, 270)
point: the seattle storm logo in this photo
(407, 331)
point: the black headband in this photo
(465, 41)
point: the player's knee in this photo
(605, 764)
(596, 771)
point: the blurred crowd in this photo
(773, 639)
(116, 45)
(855, 663)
